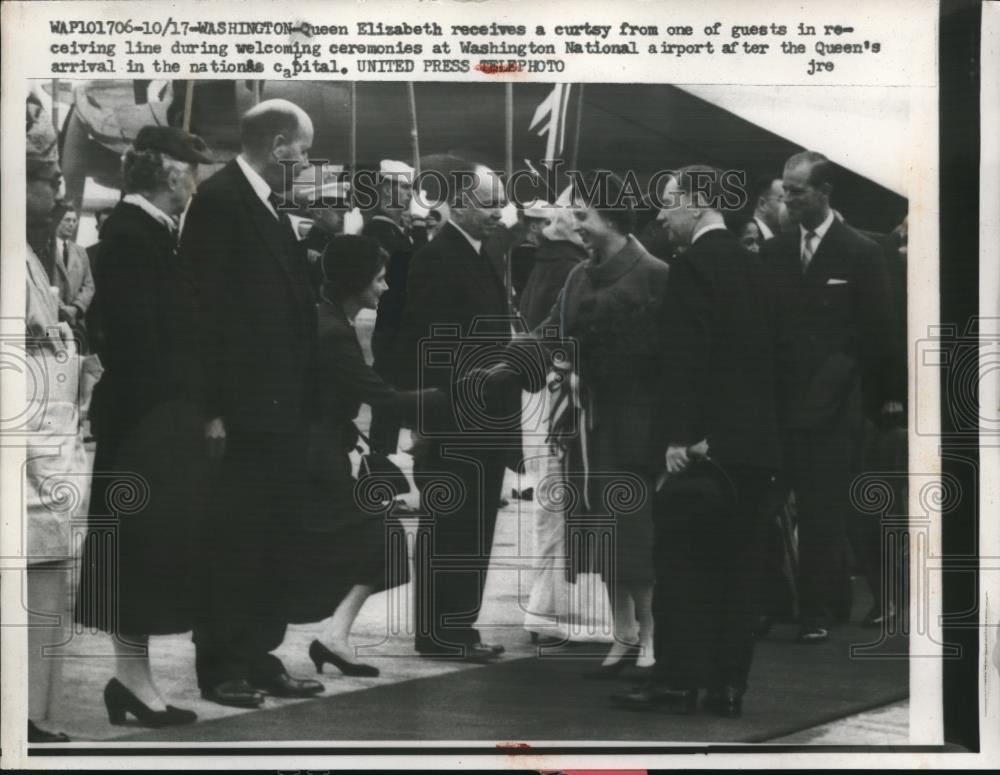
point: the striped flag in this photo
(550, 118)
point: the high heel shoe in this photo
(320, 655)
(119, 701)
(607, 672)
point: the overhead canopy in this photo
(860, 128)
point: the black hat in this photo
(702, 489)
(175, 142)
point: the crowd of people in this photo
(668, 396)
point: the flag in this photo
(550, 118)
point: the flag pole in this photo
(575, 147)
(352, 140)
(188, 104)
(55, 105)
(509, 168)
(414, 133)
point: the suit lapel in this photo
(819, 267)
(273, 235)
(468, 262)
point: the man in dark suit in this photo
(719, 425)
(388, 226)
(456, 305)
(259, 335)
(836, 363)
(769, 211)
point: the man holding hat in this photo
(719, 427)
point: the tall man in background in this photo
(259, 334)
(835, 364)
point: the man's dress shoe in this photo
(726, 702)
(655, 696)
(283, 685)
(810, 636)
(236, 694)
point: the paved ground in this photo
(383, 636)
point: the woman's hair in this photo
(147, 170)
(349, 264)
(606, 193)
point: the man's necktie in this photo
(65, 255)
(808, 248)
(283, 218)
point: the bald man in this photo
(259, 341)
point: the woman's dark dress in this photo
(137, 575)
(347, 539)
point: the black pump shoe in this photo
(119, 701)
(320, 654)
(36, 735)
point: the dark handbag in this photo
(385, 472)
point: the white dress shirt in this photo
(705, 229)
(257, 183)
(820, 232)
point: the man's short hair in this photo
(265, 121)
(444, 175)
(761, 187)
(703, 185)
(822, 169)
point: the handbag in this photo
(375, 464)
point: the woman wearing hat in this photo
(603, 397)
(138, 572)
(56, 471)
(344, 543)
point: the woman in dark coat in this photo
(344, 538)
(137, 574)
(603, 425)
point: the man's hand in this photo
(677, 458)
(215, 437)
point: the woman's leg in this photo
(338, 636)
(133, 671)
(642, 595)
(623, 611)
(48, 595)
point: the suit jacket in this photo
(258, 321)
(147, 313)
(390, 309)
(719, 354)
(456, 304)
(835, 329)
(74, 278)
